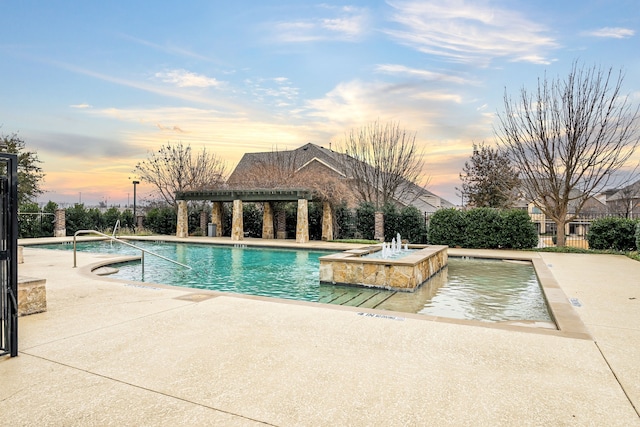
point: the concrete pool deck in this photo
(115, 353)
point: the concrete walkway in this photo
(113, 353)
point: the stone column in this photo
(327, 221)
(282, 224)
(182, 227)
(204, 222)
(216, 217)
(237, 227)
(59, 223)
(302, 225)
(139, 221)
(378, 230)
(267, 221)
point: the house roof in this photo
(301, 157)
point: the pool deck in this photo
(113, 353)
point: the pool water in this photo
(488, 290)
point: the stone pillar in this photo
(327, 221)
(378, 229)
(59, 223)
(216, 217)
(302, 225)
(182, 227)
(237, 227)
(204, 222)
(139, 221)
(267, 221)
(282, 224)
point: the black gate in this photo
(8, 254)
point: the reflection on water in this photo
(490, 290)
(476, 289)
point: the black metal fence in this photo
(8, 254)
(575, 231)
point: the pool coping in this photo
(568, 322)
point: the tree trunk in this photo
(560, 232)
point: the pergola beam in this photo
(253, 195)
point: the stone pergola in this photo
(265, 196)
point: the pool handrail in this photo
(124, 243)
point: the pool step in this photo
(354, 297)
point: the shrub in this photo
(482, 228)
(344, 221)
(412, 225)
(517, 231)
(77, 218)
(252, 219)
(391, 221)
(447, 227)
(613, 233)
(365, 221)
(638, 235)
(161, 220)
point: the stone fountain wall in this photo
(402, 274)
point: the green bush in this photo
(161, 221)
(391, 221)
(517, 231)
(412, 225)
(613, 233)
(345, 223)
(252, 219)
(447, 227)
(483, 228)
(78, 218)
(365, 221)
(638, 235)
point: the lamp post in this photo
(135, 219)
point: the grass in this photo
(635, 255)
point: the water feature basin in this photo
(403, 273)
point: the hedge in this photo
(483, 228)
(615, 233)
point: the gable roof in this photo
(305, 155)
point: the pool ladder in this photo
(115, 239)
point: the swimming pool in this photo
(487, 290)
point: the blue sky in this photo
(93, 87)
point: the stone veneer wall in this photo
(32, 296)
(237, 226)
(182, 226)
(216, 217)
(403, 274)
(267, 221)
(59, 223)
(302, 225)
(327, 221)
(378, 228)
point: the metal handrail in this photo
(143, 251)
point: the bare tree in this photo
(625, 201)
(384, 162)
(489, 179)
(569, 138)
(174, 167)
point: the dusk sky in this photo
(94, 87)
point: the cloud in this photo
(184, 78)
(346, 24)
(611, 32)
(465, 32)
(174, 50)
(80, 106)
(396, 69)
(68, 145)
